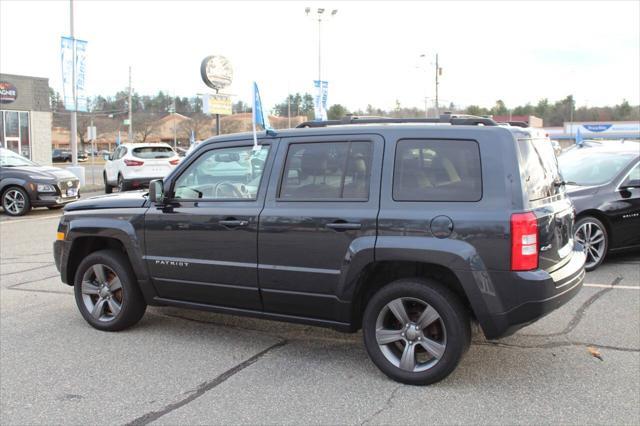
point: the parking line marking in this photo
(31, 219)
(621, 287)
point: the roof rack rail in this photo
(453, 119)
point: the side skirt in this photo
(339, 326)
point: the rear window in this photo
(437, 170)
(151, 152)
(540, 166)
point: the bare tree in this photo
(145, 125)
(199, 124)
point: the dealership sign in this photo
(8, 92)
(597, 127)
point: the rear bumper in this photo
(533, 295)
(142, 182)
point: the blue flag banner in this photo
(81, 68)
(321, 93)
(258, 115)
(578, 137)
(66, 56)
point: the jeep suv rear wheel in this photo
(107, 292)
(416, 331)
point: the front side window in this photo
(326, 171)
(223, 174)
(437, 170)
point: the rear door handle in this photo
(233, 223)
(343, 226)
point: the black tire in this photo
(452, 316)
(591, 263)
(122, 184)
(11, 209)
(131, 301)
(108, 189)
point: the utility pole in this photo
(289, 108)
(175, 132)
(74, 113)
(437, 83)
(130, 110)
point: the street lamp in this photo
(319, 14)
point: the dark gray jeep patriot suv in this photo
(408, 229)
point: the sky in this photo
(371, 50)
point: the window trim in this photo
(173, 198)
(626, 175)
(395, 158)
(280, 199)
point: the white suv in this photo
(133, 165)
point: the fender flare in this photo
(457, 256)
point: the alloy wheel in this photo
(102, 292)
(411, 334)
(14, 201)
(592, 237)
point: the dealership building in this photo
(25, 116)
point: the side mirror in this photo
(156, 190)
(106, 157)
(632, 183)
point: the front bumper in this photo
(60, 256)
(533, 294)
(52, 200)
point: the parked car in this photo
(25, 184)
(60, 156)
(133, 166)
(460, 221)
(603, 180)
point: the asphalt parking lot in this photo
(188, 367)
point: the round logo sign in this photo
(8, 92)
(216, 71)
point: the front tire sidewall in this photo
(600, 225)
(27, 202)
(133, 305)
(452, 313)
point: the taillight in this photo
(174, 162)
(524, 241)
(133, 162)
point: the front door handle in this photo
(343, 226)
(233, 223)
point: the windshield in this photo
(150, 152)
(585, 167)
(11, 159)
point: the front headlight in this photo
(45, 187)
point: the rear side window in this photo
(152, 152)
(437, 170)
(540, 166)
(326, 171)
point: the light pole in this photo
(438, 73)
(319, 15)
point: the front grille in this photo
(66, 184)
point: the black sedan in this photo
(603, 182)
(25, 184)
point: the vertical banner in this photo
(81, 68)
(74, 54)
(66, 55)
(321, 93)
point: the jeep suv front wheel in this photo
(416, 331)
(107, 293)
